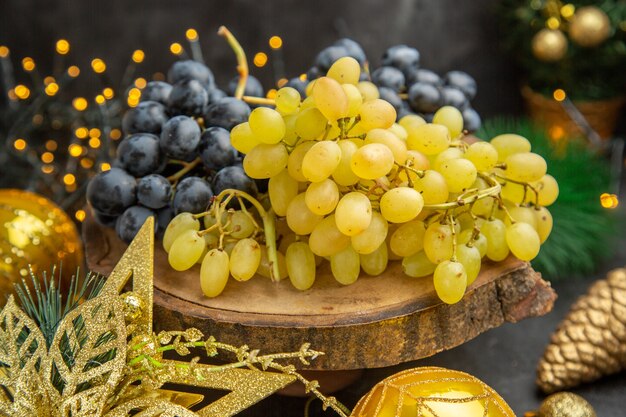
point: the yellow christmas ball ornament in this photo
(549, 45)
(36, 232)
(589, 27)
(432, 392)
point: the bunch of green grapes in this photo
(351, 186)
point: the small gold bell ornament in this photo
(432, 392)
(36, 232)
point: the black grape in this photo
(188, 97)
(111, 192)
(154, 191)
(180, 137)
(147, 117)
(139, 154)
(227, 113)
(215, 149)
(193, 195)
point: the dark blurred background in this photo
(448, 33)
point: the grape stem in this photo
(269, 226)
(259, 100)
(492, 191)
(187, 166)
(242, 62)
(453, 231)
(526, 187)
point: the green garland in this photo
(584, 231)
(584, 73)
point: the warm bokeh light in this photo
(69, 179)
(51, 89)
(138, 56)
(81, 132)
(553, 23)
(281, 83)
(80, 103)
(191, 34)
(140, 82)
(75, 150)
(47, 169)
(70, 188)
(4, 51)
(556, 132)
(47, 157)
(158, 76)
(105, 166)
(98, 65)
(100, 99)
(28, 64)
(260, 59)
(108, 93)
(116, 134)
(302, 77)
(94, 143)
(19, 144)
(49, 80)
(21, 91)
(38, 119)
(609, 201)
(51, 145)
(559, 94)
(271, 93)
(95, 132)
(73, 71)
(275, 42)
(62, 47)
(176, 48)
(86, 163)
(568, 10)
(80, 215)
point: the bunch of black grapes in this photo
(176, 123)
(403, 83)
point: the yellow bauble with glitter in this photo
(549, 45)
(589, 27)
(432, 392)
(34, 231)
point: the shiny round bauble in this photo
(431, 392)
(36, 232)
(549, 45)
(566, 404)
(589, 27)
(134, 306)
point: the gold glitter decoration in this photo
(105, 361)
(36, 232)
(432, 392)
(564, 404)
(591, 341)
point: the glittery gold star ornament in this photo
(104, 360)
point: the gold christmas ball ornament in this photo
(36, 232)
(549, 45)
(589, 27)
(134, 306)
(566, 404)
(432, 392)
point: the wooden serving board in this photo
(375, 322)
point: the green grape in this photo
(179, 225)
(211, 242)
(509, 144)
(446, 155)
(402, 204)
(242, 138)
(522, 214)
(282, 188)
(322, 197)
(372, 161)
(353, 213)
(451, 118)
(483, 155)
(294, 162)
(330, 99)
(429, 139)
(459, 174)
(375, 263)
(291, 137)
(241, 225)
(265, 161)
(483, 206)
(345, 70)
(368, 90)
(229, 245)
(300, 265)
(287, 100)
(515, 192)
(410, 122)
(415, 160)
(395, 145)
(307, 103)
(321, 160)
(525, 167)
(326, 239)
(186, 250)
(548, 190)
(267, 125)
(286, 239)
(299, 218)
(345, 266)
(376, 113)
(355, 100)
(214, 272)
(399, 131)
(245, 259)
(495, 232)
(544, 223)
(408, 239)
(310, 123)
(343, 174)
(480, 243)
(469, 257)
(450, 281)
(265, 266)
(418, 265)
(523, 240)
(438, 242)
(433, 187)
(371, 238)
